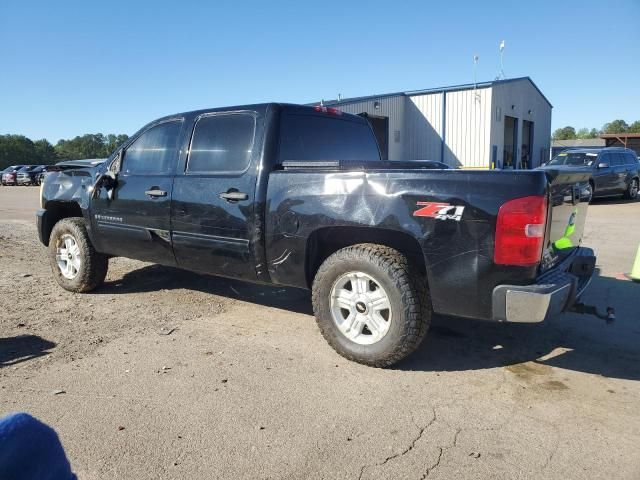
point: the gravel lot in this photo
(168, 374)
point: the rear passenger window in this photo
(222, 143)
(153, 152)
(617, 159)
(630, 159)
(609, 158)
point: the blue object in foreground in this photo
(31, 450)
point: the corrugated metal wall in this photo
(468, 128)
(392, 107)
(423, 127)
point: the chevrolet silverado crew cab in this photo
(299, 196)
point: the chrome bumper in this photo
(553, 293)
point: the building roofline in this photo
(619, 135)
(453, 88)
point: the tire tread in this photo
(415, 299)
(96, 264)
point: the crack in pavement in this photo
(435, 465)
(441, 453)
(421, 431)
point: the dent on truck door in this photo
(135, 221)
(213, 200)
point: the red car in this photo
(10, 175)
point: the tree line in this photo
(617, 126)
(20, 150)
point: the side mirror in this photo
(603, 165)
(108, 180)
(116, 164)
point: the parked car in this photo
(9, 175)
(299, 196)
(28, 174)
(43, 170)
(614, 170)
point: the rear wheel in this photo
(591, 190)
(76, 265)
(371, 305)
(632, 190)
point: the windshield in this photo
(574, 159)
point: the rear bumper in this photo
(553, 293)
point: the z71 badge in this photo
(440, 211)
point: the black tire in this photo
(93, 265)
(631, 193)
(408, 297)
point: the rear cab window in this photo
(325, 137)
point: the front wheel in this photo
(632, 190)
(371, 305)
(76, 266)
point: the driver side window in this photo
(153, 152)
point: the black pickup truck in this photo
(298, 196)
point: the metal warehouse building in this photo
(499, 124)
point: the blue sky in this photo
(76, 67)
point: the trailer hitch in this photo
(581, 308)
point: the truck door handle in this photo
(233, 196)
(155, 192)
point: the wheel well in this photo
(324, 242)
(56, 211)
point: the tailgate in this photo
(569, 198)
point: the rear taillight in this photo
(329, 110)
(520, 231)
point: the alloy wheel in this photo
(68, 256)
(361, 308)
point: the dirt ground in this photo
(166, 374)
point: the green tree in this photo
(634, 127)
(617, 126)
(566, 133)
(113, 142)
(16, 149)
(91, 145)
(582, 133)
(45, 152)
(586, 133)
